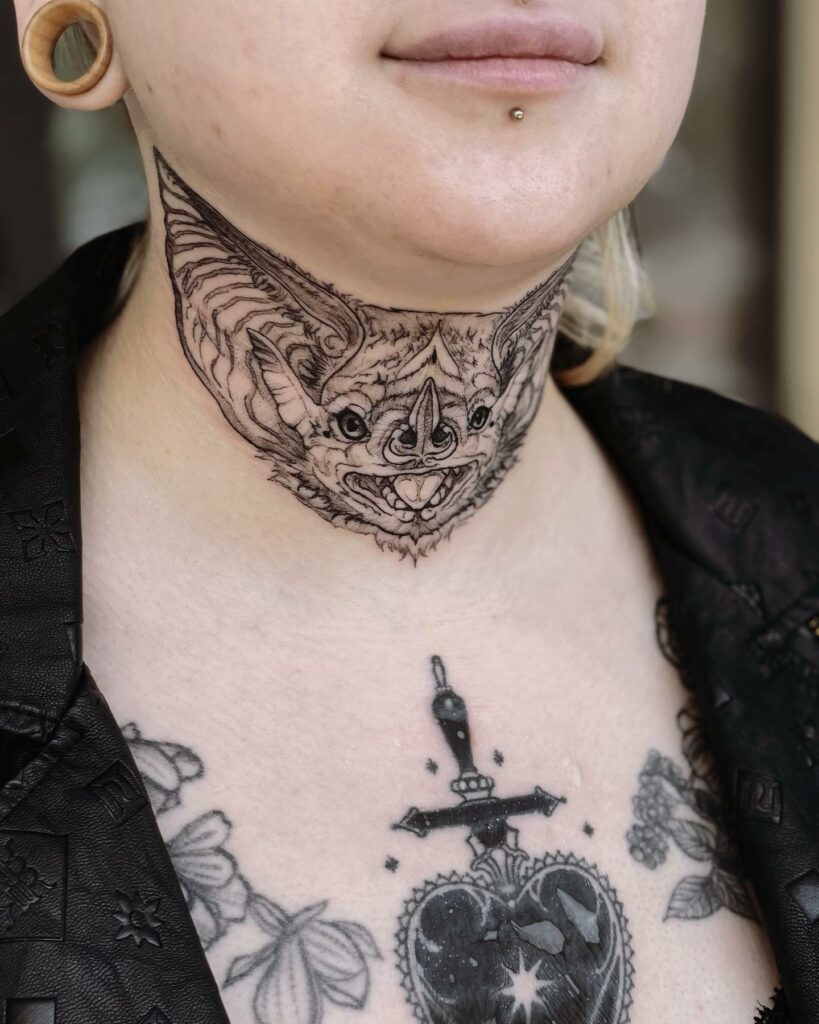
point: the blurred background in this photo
(728, 225)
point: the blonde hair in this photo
(608, 293)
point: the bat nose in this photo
(426, 435)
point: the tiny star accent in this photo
(391, 864)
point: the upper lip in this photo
(557, 38)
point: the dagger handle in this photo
(450, 713)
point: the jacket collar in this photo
(729, 496)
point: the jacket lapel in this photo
(730, 497)
(101, 928)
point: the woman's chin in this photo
(473, 236)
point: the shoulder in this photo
(733, 487)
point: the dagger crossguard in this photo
(486, 816)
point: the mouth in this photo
(410, 497)
(522, 54)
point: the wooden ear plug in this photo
(43, 33)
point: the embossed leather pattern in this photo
(93, 923)
(94, 928)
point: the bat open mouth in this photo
(411, 496)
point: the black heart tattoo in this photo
(516, 940)
(559, 950)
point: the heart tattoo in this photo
(516, 940)
(395, 423)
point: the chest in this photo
(505, 816)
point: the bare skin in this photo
(315, 740)
(399, 424)
(285, 663)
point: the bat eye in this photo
(479, 417)
(351, 425)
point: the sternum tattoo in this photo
(515, 940)
(491, 837)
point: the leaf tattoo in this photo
(165, 767)
(216, 893)
(308, 960)
(686, 809)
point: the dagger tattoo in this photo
(517, 939)
(486, 815)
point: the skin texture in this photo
(519, 935)
(382, 183)
(292, 659)
(394, 423)
(429, 222)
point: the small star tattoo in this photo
(588, 829)
(498, 758)
(432, 767)
(391, 864)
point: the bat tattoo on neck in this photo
(395, 423)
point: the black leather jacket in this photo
(730, 497)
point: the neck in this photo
(372, 427)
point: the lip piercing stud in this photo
(516, 114)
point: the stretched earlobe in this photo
(101, 84)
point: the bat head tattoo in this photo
(395, 423)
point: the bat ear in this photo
(522, 328)
(296, 408)
(228, 287)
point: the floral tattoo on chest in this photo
(394, 423)
(500, 937)
(685, 809)
(301, 962)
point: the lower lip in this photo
(510, 74)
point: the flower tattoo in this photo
(686, 811)
(308, 960)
